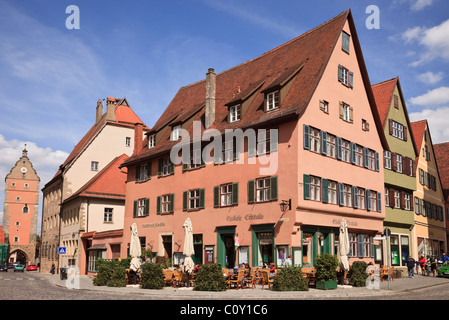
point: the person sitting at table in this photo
(272, 269)
(197, 267)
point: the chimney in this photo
(99, 110)
(210, 97)
(138, 137)
(110, 109)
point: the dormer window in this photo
(272, 100)
(151, 141)
(176, 133)
(234, 113)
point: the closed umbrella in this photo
(135, 250)
(188, 246)
(343, 247)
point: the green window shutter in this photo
(306, 136)
(171, 168)
(251, 186)
(355, 201)
(339, 148)
(135, 208)
(147, 207)
(185, 200)
(324, 190)
(158, 210)
(236, 148)
(274, 140)
(379, 202)
(323, 143)
(216, 196)
(341, 194)
(368, 199)
(365, 157)
(361, 247)
(235, 193)
(252, 144)
(306, 187)
(171, 206)
(371, 243)
(377, 161)
(340, 73)
(353, 147)
(137, 172)
(351, 79)
(202, 198)
(149, 170)
(274, 188)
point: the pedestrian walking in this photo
(422, 263)
(52, 270)
(433, 266)
(411, 266)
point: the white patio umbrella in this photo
(343, 246)
(135, 250)
(188, 246)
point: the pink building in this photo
(312, 140)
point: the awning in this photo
(97, 247)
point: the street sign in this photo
(387, 232)
(379, 238)
(62, 250)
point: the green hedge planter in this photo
(326, 285)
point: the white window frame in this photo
(235, 113)
(141, 207)
(387, 159)
(166, 166)
(151, 141)
(347, 195)
(332, 192)
(358, 155)
(361, 198)
(263, 142)
(387, 197)
(143, 172)
(331, 146)
(407, 201)
(273, 100)
(346, 150)
(315, 188)
(263, 189)
(94, 165)
(128, 141)
(397, 199)
(165, 203)
(346, 111)
(398, 163)
(315, 140)
(398, 130)
(108, 214)
(176, 133)
(226, 195)
(373, 200)
(371, 159)
(194, 199)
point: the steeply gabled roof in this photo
(442, 157)
(109, 183)
(418, 128)
(383, 94)
(301, 60)
(125, 117)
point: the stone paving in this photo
(396, 286)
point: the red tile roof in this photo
(125, 116)
(383, 94)
(312, 49)
(442, 157)
(418, 128)
(109, 183)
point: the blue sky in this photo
(51, 77)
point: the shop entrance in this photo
(265, 247)
(262, 244)
(167, 244)
(225, 246)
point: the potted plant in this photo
(326, 272)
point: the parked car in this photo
(444, 269)
(19, 267)
(3, 267)
(32, 267)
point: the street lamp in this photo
(286, 204)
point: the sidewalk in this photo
(396, 286)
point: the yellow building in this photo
(429, 231)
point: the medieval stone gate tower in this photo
(21, 210)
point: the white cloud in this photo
(435, 97)
(430, 77)
(434, 40)
(437, 120)
(420, 4)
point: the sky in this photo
(52, 75)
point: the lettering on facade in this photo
(349, 222)
(246, 217)
(154, 225)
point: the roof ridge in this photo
(385, 81)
